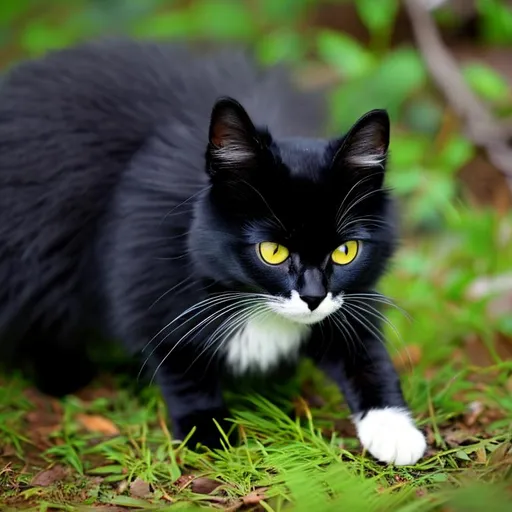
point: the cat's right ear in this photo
(233, 140)
(365, 146)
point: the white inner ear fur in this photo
(234, 154)
(365, 148)
(376, 160)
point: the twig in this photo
(482, 128)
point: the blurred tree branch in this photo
(481, 126)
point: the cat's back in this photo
(92, 105)
(71, 121)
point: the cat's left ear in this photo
(233, 139)
(367, 142)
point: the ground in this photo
(109, 447)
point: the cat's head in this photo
(301, 223)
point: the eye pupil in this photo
(346, 253)
(273, 253)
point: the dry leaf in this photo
(500, 454)
(139, 488)
(457, 435)
(184, 481)
(49, 476)
(96, 423)
(254, 497)
(481, 455)
(204, 485)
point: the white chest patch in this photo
(262, 343)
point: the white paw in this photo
(390, 436)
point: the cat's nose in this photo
(313, 301)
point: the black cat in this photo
(139, 199)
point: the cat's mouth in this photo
(296, 310)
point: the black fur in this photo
(129, 193)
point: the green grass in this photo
(310, 463)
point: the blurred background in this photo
(445, 75)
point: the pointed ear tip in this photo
(225, 102)
(381, 114)
(376, 117)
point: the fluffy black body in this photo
(125, 201)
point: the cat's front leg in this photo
(193, 397)
(363, 371)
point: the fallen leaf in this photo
(139, 488)
(204, 485)
(184, 481)
(49, 476)
(254, 497)
(457, 435)
(500, 454)
(481, 455)
(97, 423)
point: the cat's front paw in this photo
(390, 435)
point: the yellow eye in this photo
(345, 253)
(272, 253)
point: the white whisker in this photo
(364, 323)
(201, 325)
(170, 290)
(358, 200)
(185, 202)
(361, 306)
(235, 321)
(340, 208)
(207, 303)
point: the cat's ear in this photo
(233, 139)
(367, 142)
